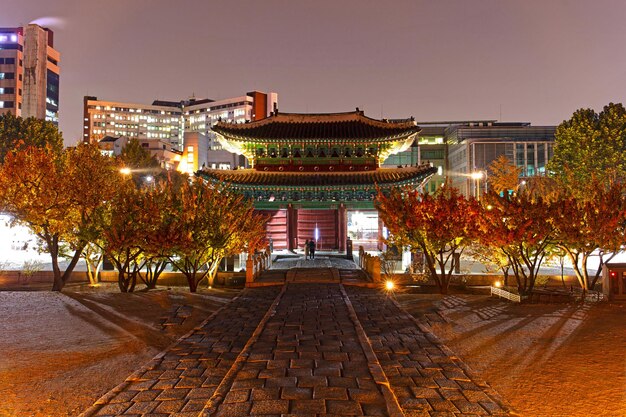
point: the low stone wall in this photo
(168, 279)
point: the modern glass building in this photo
(459, 149)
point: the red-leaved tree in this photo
(440, 225)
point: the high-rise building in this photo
(169, 120)
(29, 73)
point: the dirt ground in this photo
(544, 359)
(61, 352)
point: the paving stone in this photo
(237, 396)
(337, 381)
(343, 407)
(308, 406)
(330, 393)
(194, 405)
(201, 393)
(169, 407)
(467, 407)
(146, 395)
(141, 385)
(269, 393)
(264, 407)
(295, 393)
(125, 396)
(312, 381)
(114, 409)
(234, 410)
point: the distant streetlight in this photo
(125, 171)
(477, 176)
(149, 178)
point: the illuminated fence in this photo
(516, 298)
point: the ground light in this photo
(497, 284)
(389, 285)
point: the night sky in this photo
(526, 60)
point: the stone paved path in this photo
(425, 376)
(305, 350)
(320, 261)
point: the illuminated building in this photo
(460, 149)
(29, 73)
(316, 174)
(162, 151)
(170, 120)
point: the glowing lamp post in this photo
(477, 176)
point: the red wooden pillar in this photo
(292, 227)
(288, 220)
(342, 226)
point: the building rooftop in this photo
(325, 126)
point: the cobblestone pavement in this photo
(304, 350)
(181, 380)
(308, 360)
(425, 376)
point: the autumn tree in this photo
(440, 225)
(522, 228)
(590, 145)
(503, 175)
(593, 225)
(206, 223)
(121, 229)
(18, 133)
(58, 195)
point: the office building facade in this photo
(458, 149)
(29, 73)
(170, 120)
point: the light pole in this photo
(477, 176)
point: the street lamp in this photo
(477, 176)
(125, 171)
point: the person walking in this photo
(312, 249)
(306, 249)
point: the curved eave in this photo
(273, 180)
(250, 139)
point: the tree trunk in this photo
(191, 280)
(53, 247)
(212, 272)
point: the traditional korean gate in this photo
(320, 225)
(276, 228)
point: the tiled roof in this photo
(251, 177)
(108, 139)
(352, 125)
